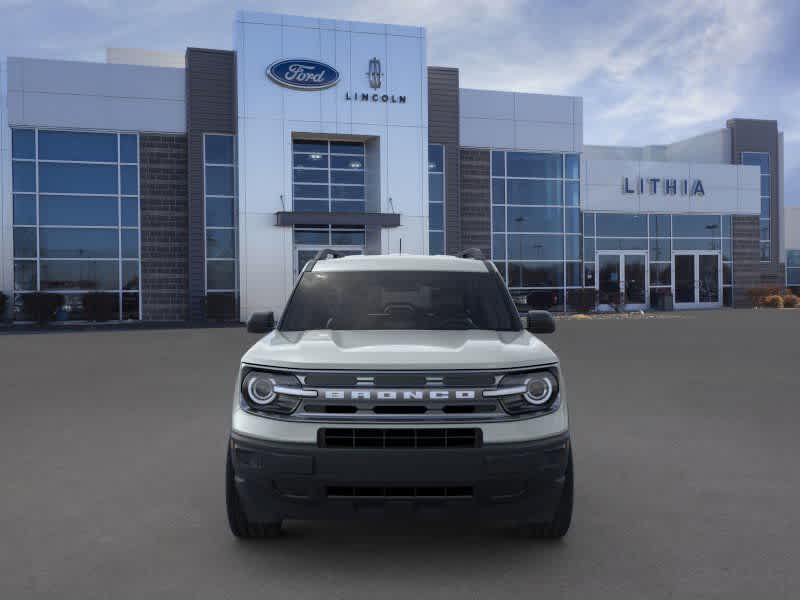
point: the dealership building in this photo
(194, 186)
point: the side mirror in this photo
(262, 322)
(541, 321)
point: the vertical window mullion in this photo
(36, 188)
(119, 230)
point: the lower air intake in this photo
(400, 438)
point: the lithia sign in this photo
(306, 74)
(667, 186)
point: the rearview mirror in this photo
(261, 322)
(541, 321)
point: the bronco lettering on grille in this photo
(399, 394)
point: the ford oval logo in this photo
(303, 74)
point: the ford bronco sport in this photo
(399, 386)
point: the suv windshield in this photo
(347, 300)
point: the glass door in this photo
(622, 280)
(697, 280)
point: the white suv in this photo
(399, 386)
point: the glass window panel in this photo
(219, 212)
(533, 274)
(727, 226)
(129, 183)
(532, 164)
(220, 243)
(25, 242)
(347, 192)
(436, 188)
(498, 218)
(572, 220)
(573, 166)
(660, 226)
(221, 274)
(498, 247)
(130, 243)
(793, 277)
(527, 191)
(311, 237)
(765, 208)
(660, 249)
(622, 225)
(345, 162)
(621, 243)
(79, 275)
(310, 146)
(23, 143)
(436, 242)
(498, 163)
(24, 209)
(765, 250)
(535, 247)
(219, 181)
(498, 191)
(347, 148)
(78, 146)
(660, 274)
(311, 175)
(727, 297)
(572, 192)
(588, 274)
(695, 244)
(25, 275)
(436, 216)
(310, 191)
(793, 258)
(348, 206)
(573, 274)
(435, 158)
(763, 229)
(130, 274)
(572, 245)
(317, 161)
(311, 205)
(501, 267)
(696, 225)
(539, 219)
(727, 273)
(128, 148)
(130, 212)
(77, 210)
(358, 177)
(765, 185)
(78, 243)
(759, 159)
(552, 300)
(219, 149)
(77, 179)
(588, 224)
(348, 238)
(727, 249)
(23, 176)
(588, 249)
(130, 307)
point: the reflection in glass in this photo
(77, 146)
(25, 242)
(684, 278)
(67, 178)
(220, 243)
(80, 275)
(23, 143)
(25, 275)
(219, 181)
(535, 247)
(24, 209)
(77, 210)
(532, 191)
(533, 274)
(219, 149)
(531, 164)
(221, 274)
(621, 225)
(57, 242)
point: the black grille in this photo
(399, 438)
(397, 492)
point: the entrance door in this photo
(697, 279)
(622, 279)
(303, 254)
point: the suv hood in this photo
(399, 350)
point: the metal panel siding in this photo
(476, 207)
(443, 128)
(210, 108)
(746, 253)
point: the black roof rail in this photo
(471, 253)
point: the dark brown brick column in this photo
(476, 209)
(746, 255)
(165, 226)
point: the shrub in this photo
(773, 301)
(41, 306)
(790, 301)
(99, 306)
(3, 306)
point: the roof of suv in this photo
(399, 262)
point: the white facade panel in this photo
(271, 115)
(486, 133)
(485, 104)
(546, 136)
(791, 227)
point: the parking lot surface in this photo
(685, 431)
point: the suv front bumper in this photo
(519, 481)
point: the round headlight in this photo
(539, 389)
(260, 388)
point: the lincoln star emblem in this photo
(374, 74)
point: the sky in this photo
(649, 72)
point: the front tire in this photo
(239, 524)
(559, 525)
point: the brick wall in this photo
(476, 219)
(746, 254)
(165, 227)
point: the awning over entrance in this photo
(287, 219)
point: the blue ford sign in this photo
(303, 74)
